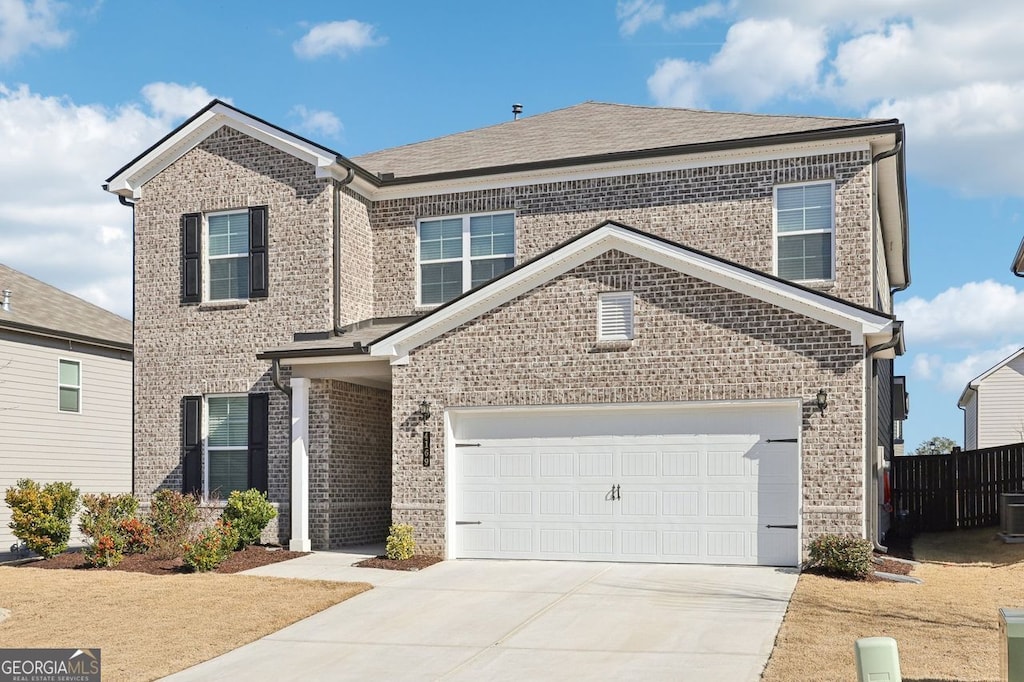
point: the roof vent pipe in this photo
(6, 305)
(517, 109)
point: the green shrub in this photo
(400, 545)
(41, 515)
(212, 547)
(249, 512)
(841, 555)
(102, 522)
(171, 515)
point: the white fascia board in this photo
(144, 169)
(890, 211)
(857, 321)
(972, 385)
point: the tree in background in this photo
(936, 445)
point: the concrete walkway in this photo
(523, 620)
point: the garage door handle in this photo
(780, 440)
(772, 525)
(468, 523)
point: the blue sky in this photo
(84, 87)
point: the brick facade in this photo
(540, 349)
(694, 342)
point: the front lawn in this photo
(150, 626)
(946, 628)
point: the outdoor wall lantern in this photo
(424, 411)
(822, 400)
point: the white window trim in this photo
(776, 234)
(61, 385)
(206, 441)
(466, 258)
(207, 257)
(602, 333)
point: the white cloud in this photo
(337, 37)
(952, 71)
(964, 315)
(634, 14)
(317, 122)
(56, 223)
(759, 60)
(173, 100)
(25, 24)
(952, 376)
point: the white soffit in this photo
(862, 324)
(129, 181)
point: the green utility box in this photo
(878, 660)
(1011, 630)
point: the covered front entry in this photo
(683, 483)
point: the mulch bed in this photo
(886, 565)
(251, 557)
(415, 563)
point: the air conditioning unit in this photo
(1011, 516)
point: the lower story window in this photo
(227, 445)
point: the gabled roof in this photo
(866, 326)
(1017, 267)
(41, 309)
(589, 131)
(128, 180)
(972, 385)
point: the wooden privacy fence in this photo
(958, 490)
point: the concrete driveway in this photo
(530, 620)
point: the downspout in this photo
(872, 449)
(275, 378)
(337, 185)
(131, 204)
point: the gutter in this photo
(124, 202)
(336, 251)
(872, 450)
(901, 179)
(1017, 267)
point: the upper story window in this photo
(224, 255)
(227, 255)
(457, 254)
(805, 231)
(69, 386)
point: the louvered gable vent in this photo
(615, 316)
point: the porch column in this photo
(300, 466)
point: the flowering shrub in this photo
(171, 515)
(249, 512)
(842, 555)
(41, 515)
(212, 547)
(138, 536)
(400, 544)
(102, 522)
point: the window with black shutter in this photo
(225, 256)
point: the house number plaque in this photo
(426, 448)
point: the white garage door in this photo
(726, 492)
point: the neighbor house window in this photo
(457, 254)
(615, 316)
(69, 386)
(227, 255)
(227, 445)
(805, 231)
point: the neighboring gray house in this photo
(605, 332)
(993, 405)
(65, 391)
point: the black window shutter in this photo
(259, 267)
(192, 444)
(191, 279)
(259, 439)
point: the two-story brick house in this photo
(604, 332)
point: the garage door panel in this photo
(686, 498)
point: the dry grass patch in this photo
(946, 629)
(150, 626)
